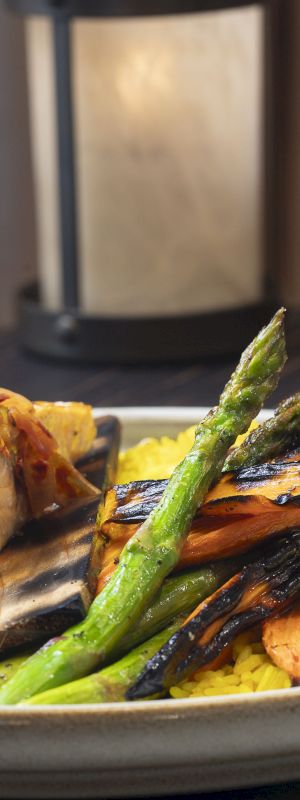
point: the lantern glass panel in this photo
(168, 152)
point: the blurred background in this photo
(165, 207)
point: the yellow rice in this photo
(153, 459)
(251, 669)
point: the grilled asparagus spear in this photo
(270, 439)
(154, 550)
(10, 665)
(110, 684)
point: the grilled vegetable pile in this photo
(219, 541)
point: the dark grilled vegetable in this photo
(262, 589)
(150, 555)
(271, 439)
(48, 575)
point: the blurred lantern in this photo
(147, 140)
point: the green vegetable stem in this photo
(270, 439)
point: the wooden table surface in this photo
(183, 384)
(177, 385)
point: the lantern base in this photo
(73, 336)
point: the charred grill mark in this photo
(137, 513)
(263, 587)
(232, 628)
(135, 489)
(251, 476)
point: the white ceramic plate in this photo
(160, 747)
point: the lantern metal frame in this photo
(71, 334)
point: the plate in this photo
(150, 748)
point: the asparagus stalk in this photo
(177, 595)
(270, 439)
(109, 685)
(10, 665)
(154, 550)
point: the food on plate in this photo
(249, 669)
(48, 575)
(154, 550)
(177, 596)
(34, 474)
(262, 588)
(229, 514)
